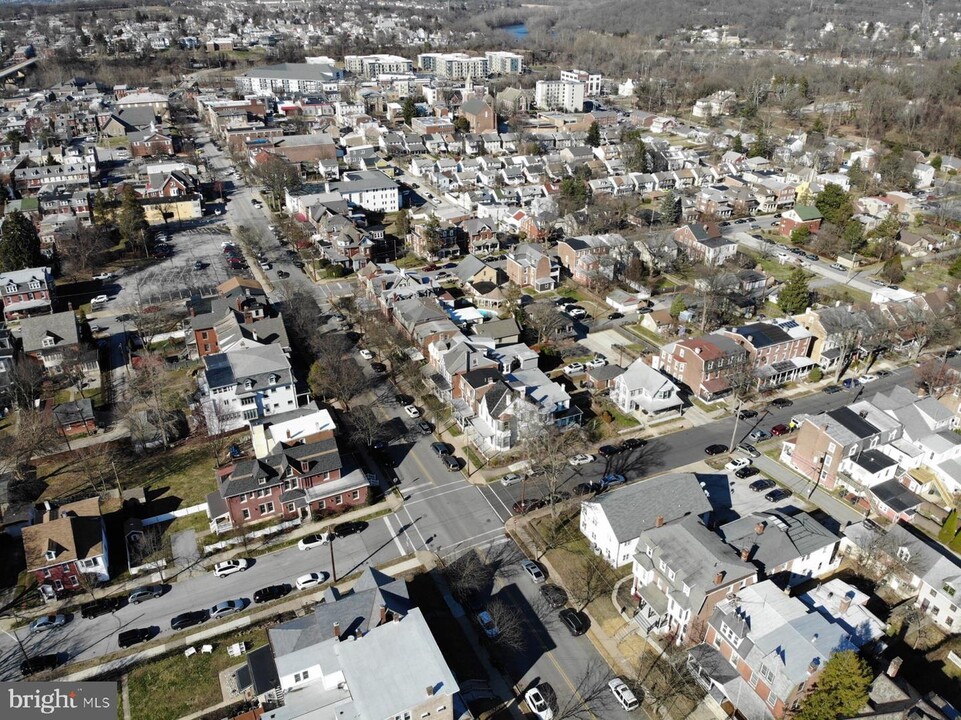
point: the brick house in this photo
(70, 541)
(703, 364)
(26, 292)
(294, 480)
(800, 215)
(150, 143)
(704, 243)
(527, 266)
(778, 353)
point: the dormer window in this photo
(249, 384)
(48, 341)
(11, 288)
(34, 284)
(262, 481)
(51, 554)
(274, 379)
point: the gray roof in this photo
(61, 326)
(250, 475)
(633, 509)
(468, 268)
(783, 538)
(295, 71)
(497, 329)
(76, 411)
(896, 496)
(256, 364)
(929, 561)
(361, 180)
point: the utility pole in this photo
(333, 566)
(737, 417)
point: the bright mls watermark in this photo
(55, 700)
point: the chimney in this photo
(759, 528)
(396, 617)
(894, 667)
(745, 554)
(193, 311)
(430, 691)
(845, 604)
(337, 630)
(718, 577)
(383, 614)
(659, 521)
(814, 666)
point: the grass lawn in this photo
(776, 269)
(408, 261)
(846, 292)
(186, 472)
(647, 334)
(174, 686)
(927, 276)
(621, 419)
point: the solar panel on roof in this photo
(789, 324)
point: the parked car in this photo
(148, 592)
(867, 378)
(882, 373)
(761, 485)
(759, 435)
(780, 429)
(378, 368)
(749, 450)
(781, 402)
(850, 383)
(39, 663)
(582, 459)
(440, 449)
(283, 274)
(633, 443)
(351, 527)
(104, 277)
(747, 414)
(609, 450)
(574, 621)
(831, 389)
(746, 472)
(425, 427)
(510, 479)
(554, 595)
(521, 507)
(134, 636)
(623, 694)
(48, 622)
(229, 567)
(99, 300)
(575, 368)
(100, 607)
(487, 624)
(271, 592)
(738, 463)
(613, 479)
(533, 571)
(586, 488)
(778, 495)
(225, 608)
(538, 704)
(715, 449)
(615, 316)
(310, 580)
(837, 266)
(412, 411)
(188, 619)
(452, 463)
(367, 354)
(309, 542)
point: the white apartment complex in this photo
(592, 83)
(370, 66)
(453, 66)
(500, 62)
(369, 189)
(559, 95)
(288, 79)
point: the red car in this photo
(780, 430)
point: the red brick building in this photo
(704, 364)
(150, 143)
(800, 215)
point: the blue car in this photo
(850, 383)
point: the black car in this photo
(746, 472)
(378, 368)
(715, 449)
(283, 274)
(831, 389)
(609, 450)
(633, 443)
(189, 619)
(778, 495)
(811, 256)
(555, 596)
(100, 607)
(425, 427)
(747, 414)
(615, 316)
(350, 528)
(271, 592)
(574, 621)
(586, 488)
(298, 264)
(403, 399)
(761, 485)
(440, 449)
(132, 637)
(882, 373)
(39, 663)
(781, 402)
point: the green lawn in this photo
(174, 686)
(927, 276)
(774, 268)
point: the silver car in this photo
(225, 608)
(148, 592)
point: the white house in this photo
(642, 389)
(613, 522)
(369, 189)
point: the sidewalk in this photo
(802, 488)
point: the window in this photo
(246, 514)
(356, 496)
(57, 585)
(339, 500)
(767, 673)
(74, 580)
(904, 555)
(300, 677)
(771, 699)
(266, 508)
(46, 572)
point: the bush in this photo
(815, 375)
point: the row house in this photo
(480, 236)
(27, 292)
(449, 358)
(705, 365)
(572, 251)
(778, 350)
(422, 322)
(175, 183)
(844, 333)
(293, 481)
(436, 240)
(56, 201)
(237, 138)
(33, 178)
(222, 325)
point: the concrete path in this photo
(805, 489)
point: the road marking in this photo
(421, 490)
(487, 543)
(493, 509)
(437, 495)
(414, 525)
(400, 547)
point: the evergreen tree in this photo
(834, 204)
(738, 144)
(101, 209)
(800, 235)
(841, 690)
(670, 209)
(409, 110)
(893, 270)
(955, 269)
(635, 156)
(887, 229)
(594, 135)
(853, 236)
(132, 221)
(856, 175)
(677, 306)
(795, 295)
(19, 243)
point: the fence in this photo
(272, 530)
(174, 514)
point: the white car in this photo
(534, 571)
(510, 479)
(597, 362)
(538, 704)
(367, 354)
(310, 580)
(838, 266)
(104, 276)
(308, 542)
(412, 411)
(577, 313)
(868, 378)
(575, 368)
(624, 695)
(99, 300)
(229, 567)
(738, 463)
(581, 460)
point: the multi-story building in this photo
(453, 66)
(559, 95)
(52, 340)
(501, 62)
(288, 79)
(150, 142)
(70, 542)
(245, 384)
(778, 350)
(527, 266)
(720, 103)
(371, 66)
(29, 179)
(643, 390)
(705, 364)
(8, 353)
(705, 243)
(369, 189)
(26, 292)
(592, 83)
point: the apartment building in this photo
(592, 83)
(453, 66)
(501, 62)
(703, 364)
(371, 66)
(288, 79)
(561, 95)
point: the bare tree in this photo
(547, 449)
(879, 557)
(339, 378)
(667, 680)
(545, 321)
(590, 580)
(96, 464)
(511, 625)
(591, 697)
(278, 176)
(468, 575)
(366, 427)
(26, 378)
(84, 249)
(936, 376)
